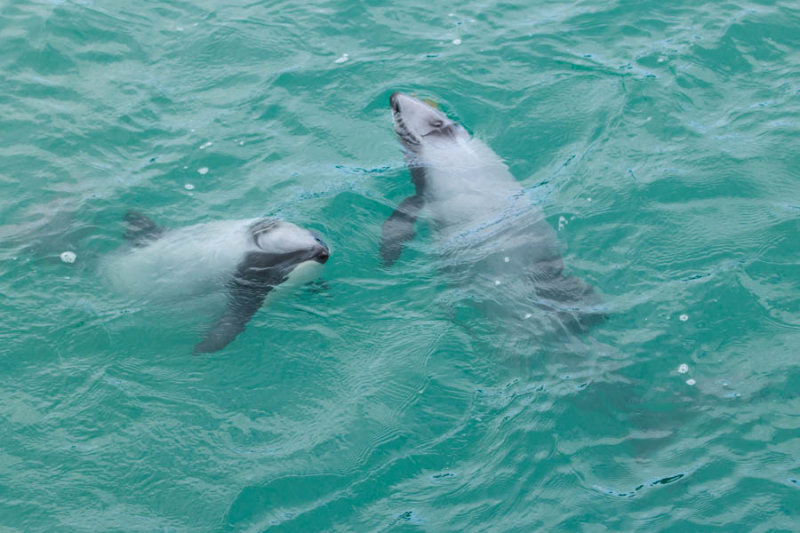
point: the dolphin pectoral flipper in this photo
(141, 229)
(255, 277)
(399, 228)
(245, 300)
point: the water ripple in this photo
(659, 138)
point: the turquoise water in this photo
(660, 138)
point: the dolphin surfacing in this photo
(247, 260)
(488, 232)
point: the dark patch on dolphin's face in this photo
(416, 123)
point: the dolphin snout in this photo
(321, 251)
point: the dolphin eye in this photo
(437, 123)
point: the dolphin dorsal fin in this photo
(141, 229)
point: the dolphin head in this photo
(417, 123)
(289, 245)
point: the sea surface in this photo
(660, 139)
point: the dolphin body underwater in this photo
(490, 236)
(245, 259)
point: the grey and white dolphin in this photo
(247, 259)
(487, 230)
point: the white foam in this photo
(68, 257)
(341, 59)
(684, 368)
(202, 171)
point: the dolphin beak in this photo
(322, 252)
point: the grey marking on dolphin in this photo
(248, 259)
(487, 229)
